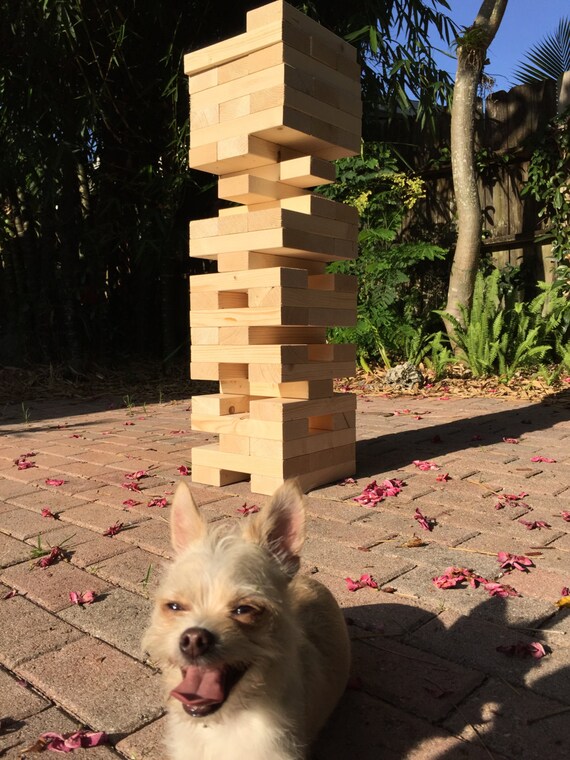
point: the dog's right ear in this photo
(186, 522)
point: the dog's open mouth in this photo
(203, 690)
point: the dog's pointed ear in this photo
(280, 527)
(186, 522)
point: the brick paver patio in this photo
(428, 679)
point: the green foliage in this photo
(497, 335)
(548, 182)
(389, 312)
(548, 59)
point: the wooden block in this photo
(316, 205)
(216, 404)
(208, 116)
(317, 440)
(235, 444)
(303, 102)
(203, 81)
(249, 189)
(281, 409)
(246, 84)
(233, 154)
(253, 336)
(332, 352)
(231, 299)
(322, 299)
(200, 228)
(241, 424)
(239, 260)
(205, 156)
(279, 373)
(242, 280)
(211, 476)
(307, 171)
(268, 354)
(205, 336)
(278, 216)
(287, 14)
(217, 371)
(339, 283)
(278, 241)
(232, 49)
(340, 421)
(263, 484)
(304, 389)
(273, 316)
(228, 72)
(230, 109)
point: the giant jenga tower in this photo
(270, 109)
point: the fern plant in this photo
(497, 335)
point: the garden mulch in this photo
(428, 679)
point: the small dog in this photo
(254, 657)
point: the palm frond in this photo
(549, 58)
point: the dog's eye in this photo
(244, 609)
(174, 606)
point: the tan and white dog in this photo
(254, 656)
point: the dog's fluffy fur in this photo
(254, 657)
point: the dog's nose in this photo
(196, 641)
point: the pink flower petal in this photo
(443, 477)
(245, 510)
(425, 465)
(137, 475)
(532, 525)
(183, 470)
(114, 529)
(514, 562)
(499, 589)
(511, 440)
(534, 649)
(131, 503)
(427, 523)
(54, 482)
(546, 460)
(565, 516)
(158, 502)
(46, 512)
(87, 597)
(131, 486)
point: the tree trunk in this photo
(471, 53)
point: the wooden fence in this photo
(508, 126)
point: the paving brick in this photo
(508, 719)
(50, 586)
(145, 744)
(23, 734)
(118, 617)
(404, 525)
(10, 489)
(536, 544)
(98, 684)
(428, 686)
(99, 517)
(24, 524)
(88, 553)
(12, 551)
(473, 641)
(28, 631)
(17, 700)
(39, 498)
(377, 730)
(135, 570)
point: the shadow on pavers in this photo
(412, 691)
(458, 435)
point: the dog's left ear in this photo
(280, 527)
(186, 522)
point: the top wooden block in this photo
(273, 23)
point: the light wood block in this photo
(266, 485)
(240, 260)
(317, 440)
(281, 409)
(302, 389)
(235, 444)
(205, 336)
(254, 336)
(216, 404)
(340, 421)
(278, 241)
(210, 455)
(216, 371)
(272, 316)
(249, 189)
(212, 476)
(268, 354)
(299, 297)
(279, 373)
(241, 424)
(256, 278)
(229, 299)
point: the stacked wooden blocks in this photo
(270, 109)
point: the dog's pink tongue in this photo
(200, 686)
